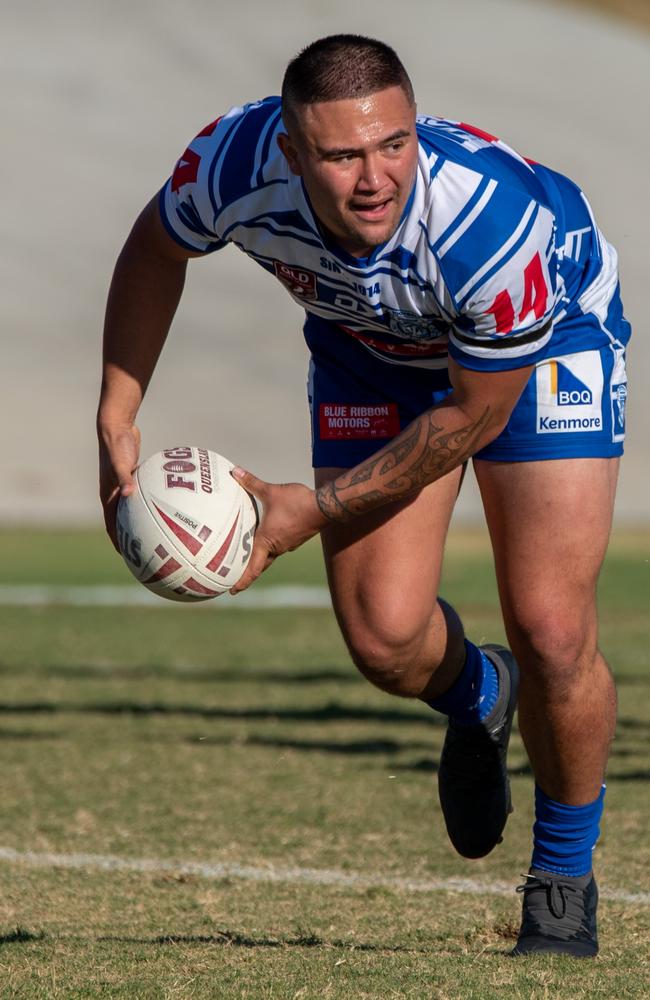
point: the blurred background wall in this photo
(98, 98)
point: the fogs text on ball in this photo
(186, 533)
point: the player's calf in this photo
(473, 780)
(567, 712)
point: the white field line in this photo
(42, 595)
(271, 873)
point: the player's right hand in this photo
(119, 451)
(290, 516)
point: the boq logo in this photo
(571, 397)
(571, 391)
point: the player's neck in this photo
(352, 248)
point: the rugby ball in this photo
(186, 533)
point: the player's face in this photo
(357, 159)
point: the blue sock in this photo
(474, 693)
(564, 836)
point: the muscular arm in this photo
(145, 291)
(436, 442)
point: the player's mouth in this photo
(372, 211)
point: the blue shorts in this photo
(573, 405)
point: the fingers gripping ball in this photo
(186, 532)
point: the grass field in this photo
(245, 738)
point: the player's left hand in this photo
(290, 516)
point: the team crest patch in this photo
(298, 280)
(409, 324)
(619, 397)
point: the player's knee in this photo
(555, 647)
(386, 652)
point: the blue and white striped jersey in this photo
(494, 255)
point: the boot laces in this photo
(562, 900)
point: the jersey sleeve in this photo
(187, 205)
(502, 276)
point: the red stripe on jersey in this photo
(209, 129)
(165, 570)
(473, 130)
(189, 541)
(219, 556)
(186, 170)
(402, 350)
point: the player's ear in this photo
(290, 153)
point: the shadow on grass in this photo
(20, 936)
(640, 775)
(228, 675)
(244, 675)
(629, 678)
(624, 723)
(352, 747)
(431, 766)
(28, 734)
(520, 771)
(232, 939)
(343, 747)
(330, 712)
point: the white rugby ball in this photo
(186, 533)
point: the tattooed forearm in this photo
(424, 452)
(330, 505)
(443, 453)
(404, 445)
(364, 472)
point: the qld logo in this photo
(567, 388)
(298, 280)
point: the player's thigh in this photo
(384, 568)
(549, 523)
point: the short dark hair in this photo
(340, 67)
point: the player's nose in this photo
(370, 176)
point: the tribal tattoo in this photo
(422, 453)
